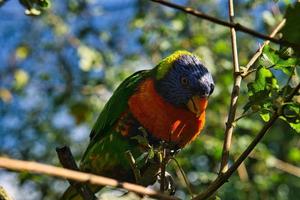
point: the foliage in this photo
(266, 95)
(292, 27)
(59, 69)
(34, 7)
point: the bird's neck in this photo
(161, 119)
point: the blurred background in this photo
(58, 69)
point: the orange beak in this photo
(197, 105)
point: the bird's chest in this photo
(162, 120)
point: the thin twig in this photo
(136, 171)
(67, 160)
(34, 167)
(284, 166)
(242, 171)
(235, 91)
(163, 169)
(4, 195)
(188, 185)
(272, 161)
(216, 184)
(234, 94)
(247, 70)
(237, 26)
(245, 115)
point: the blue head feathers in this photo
(185, 78)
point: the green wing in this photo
(105, 153)
(117, 104)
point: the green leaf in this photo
(265, 115)
(295, 126)
(141, 140)
(280, 60)
(292, 110)
(151, 153)
(269, 57)
(44, 3)
(291, 114)
(263, 76)
(21, 79)
(294, 154)
(141, 160)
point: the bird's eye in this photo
(212, 87)
(184, 81)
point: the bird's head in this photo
(183, 81)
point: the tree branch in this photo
(221, 179)
(133, 165)
(272, 161)
(234, 94)
(34, 167)
(4, 195)
(237, 26)
(284, 166)
(259, 51)
(242, 172)
(67, 160)
(163, 170)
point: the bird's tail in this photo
(72, 194)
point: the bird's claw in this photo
(170, 185)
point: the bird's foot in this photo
(169, 183)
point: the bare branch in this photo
(284, 166)
(272, 161)
(242, 171)
(185, 179)
(259, 51)
(34, 167)
(234, 94)
(67, 160)
(136, 171)
(237, 26)
(222, 178)
(163, 169)
(4, 195)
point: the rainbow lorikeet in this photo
(165, 104)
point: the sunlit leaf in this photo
(177, 25)
(89, 58)
(22, 52)
(291, 114)
(268, 58)
(280, 60)
(32, 12)
(294, 154)
(265, 115)
(21, 78)
(5, 95)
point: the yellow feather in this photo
(164, 66)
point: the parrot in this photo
(162, 105)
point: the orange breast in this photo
(163, 120)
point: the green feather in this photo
(117, 104)
(113, 109)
